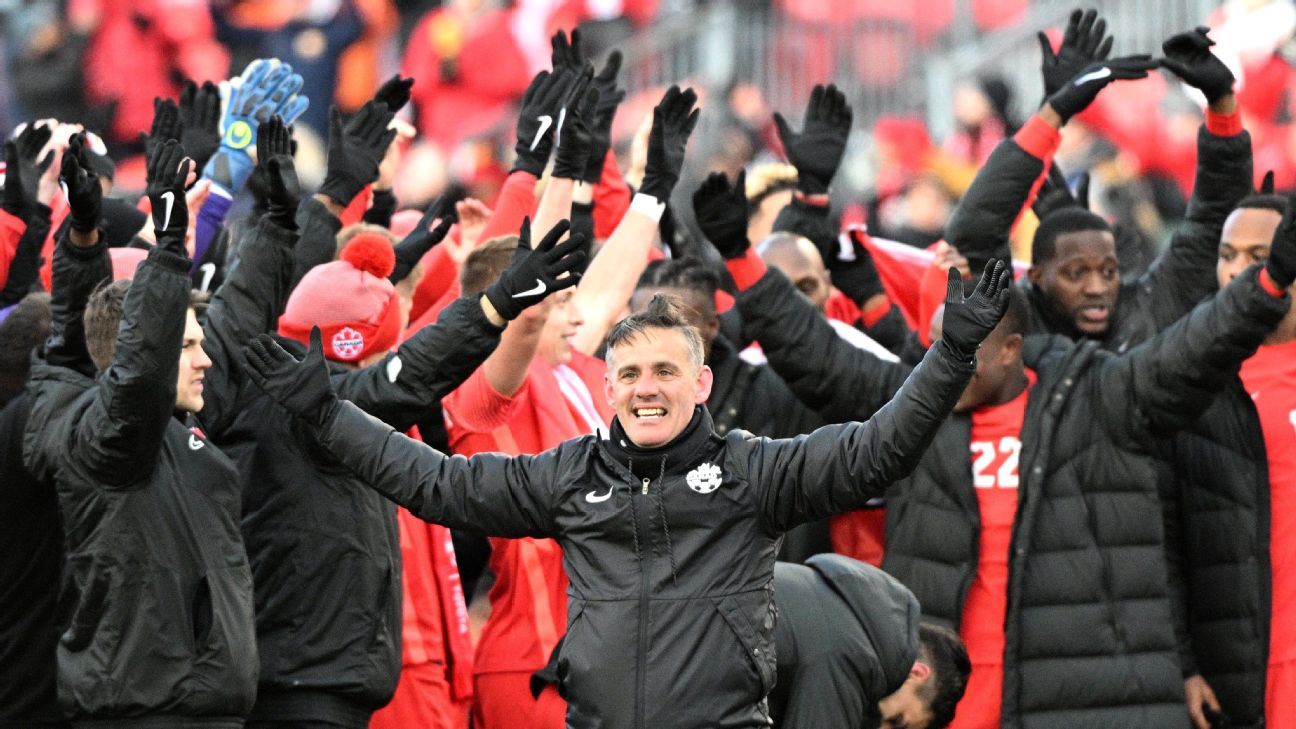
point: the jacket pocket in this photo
(756, 644)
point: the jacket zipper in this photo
(641, 690)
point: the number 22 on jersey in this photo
(994, 463)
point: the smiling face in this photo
(654, 382)
(193, 365)
(1082, 279)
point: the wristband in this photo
(1037, 137)
(746, 271)
(1224, 125)
(820, 200)
(1269, 285)
(647, 205)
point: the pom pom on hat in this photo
(371, 253)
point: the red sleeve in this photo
(1038, 138)
(1224, 125)
(841, 308)
(11, 229)
(611, 198)
(476, 406)
(746, 271)
(516, 201)
(439, 274)
(429, 316)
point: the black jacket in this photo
(158, 595)
(1089, 603)
(847, 636)
(325, 552)
(670, 616)
(1182, 276)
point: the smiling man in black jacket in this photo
(668, 529)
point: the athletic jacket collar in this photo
(674, 458)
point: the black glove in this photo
(277, 171)
(168, 169)
(301, 387)
(817, 151)
(673, 122)
(721, 213)
(968, 322)
(534, 274)
(166, 126)
(1282, 251)
(566, 55)
(1084, 42)
(576, 139)
(355, 150)
(541, 105)
(853, 271)
(609, 97)
(1054, 194)
(200, 113)
(421, 240)
(1077, 94)
(25, 170)
(395, 93)
(1188, 56)
(14, 200)
(81, 186)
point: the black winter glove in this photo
(967, 322)
(1084, 42)
(301, 387)
(395, 93)
(23, 171)
(609, 97)
(535, 274)
(566, 54)
(166, 126)
(1077, 94)
(673, 121)
(1282, 251)
(1188, 56)
(541, 105)
(355, 150)
(1054, 194)
(200, 113)
(853, 271)
(817, 151)
(575, 138)
(276, 169)
(14, 200)
(168, 169)
(721, 213)
(421, 240)
(81, 186)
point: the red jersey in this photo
(1270, 378)
(995, 449)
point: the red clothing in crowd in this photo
(995, 447)
(1270, 378)
(11, 229)
(435, 689)
(529, 597)
(466, 73)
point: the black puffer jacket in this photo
(1182, 276)
(1088, 551)
(847, 636)
(325, 551)
(158, 591)
(670, 552)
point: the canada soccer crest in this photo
(348, 343)
(704, 479)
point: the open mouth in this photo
(1095, 314)
(652, 413)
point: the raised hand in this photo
(301, 387)
(1084, 42)
(1281, 265)
(600, 123)
(395, 92)
(541, 105)
(817, 150)
(423, 237)
(721, 212)
(673, 121)
(266, 88)
(1077, 94)
(274, 158)
(166, 126)
(355, 150)
(23, 172)
(576, 138)
(1188, 56)
(536, 273)
(200, 115)
(81, 186)
(967, 322)
(168, 170)
(565, 54)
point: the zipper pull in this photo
(645, 487)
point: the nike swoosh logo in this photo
(562, 117)
(208, 273)
(1103, 72)
(546, 121)
(539, 289)
(169, 196)
(195, 444)
(595, 498)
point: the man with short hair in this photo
(852, 653)
(668, 530)
(159, 627)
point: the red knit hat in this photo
(350, 300)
